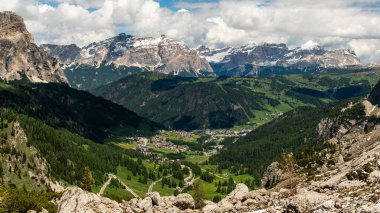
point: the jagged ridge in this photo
(161, 54)
(21, 58)
(253, 59)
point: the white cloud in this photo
(333, 24)
(195, 5)
(309, 45)
(369, 49)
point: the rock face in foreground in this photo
(75, 199)
(21, 58)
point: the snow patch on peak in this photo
(309, 45)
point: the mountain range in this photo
(125, 54)
(253, 59)
(161, 54)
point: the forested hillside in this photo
(295, 131)
(201, 103)
(61, 106)
(88, 77)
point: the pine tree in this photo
(216, 199)
(87, 180)
(199, 194)
(218, 189)
(4, 194)
(176, 192)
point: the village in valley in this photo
(181, 141)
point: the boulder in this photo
(272, 175)
(173, 210)
(351, 184)
(369, 209)
(374, 177)
(167, 201)
(239, 193)
(284, 193)
(304, 201)
(74, 199)
(156, 198)
(184, 201)
(210, 208)
(225, 205)
(145, 204)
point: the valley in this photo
(148, 124)
(202, 103)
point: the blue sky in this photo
(171, 3)
(332, 24)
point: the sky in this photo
(351, 24)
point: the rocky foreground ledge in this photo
(75, 199)
(241, 199)
(340, 185)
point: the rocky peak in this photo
(159, 54)
(21, 58)
(13, 28)
(66, 53)
(250, 59)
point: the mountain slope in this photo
(297, 131)
(78, 111)
(265, 59)
(200, 103)
(181, 103)
(21, 58)
(65, 53)
(87, 78)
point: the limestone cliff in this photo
(21, 58)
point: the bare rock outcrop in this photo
(184, 201)
(75, 199)
(21, 58)
(272, 175)
(331, 128)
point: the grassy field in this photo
(117, 194)
(170, 135)
(140, 188)
(197, 159)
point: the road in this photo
(105, 185)
(216, 175)
(110, 176)
(189, 180)
(154, 183)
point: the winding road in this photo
(154, 183)
(110, 176)
(105, 185)
(189, 180)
